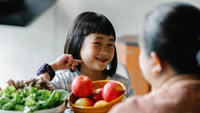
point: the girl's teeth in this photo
(101, 59)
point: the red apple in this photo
(84, 102)
(100, 103)
(111, 91)
(97, 95)
(82, 86)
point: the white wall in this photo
(24, 49)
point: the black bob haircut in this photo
(83, 25)
(172, 31)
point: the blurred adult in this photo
(169, 41)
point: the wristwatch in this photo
(46, 68)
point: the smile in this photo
(102, 60)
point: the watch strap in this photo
(46, 68)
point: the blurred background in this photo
(23, 49)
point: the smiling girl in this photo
(89, 50)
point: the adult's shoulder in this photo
(128, 106)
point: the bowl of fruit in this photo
(95, 97)
(32, 96)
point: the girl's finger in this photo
(70, 61)
(68, 66)
(76, 63)
(73, 65)
(79, 61)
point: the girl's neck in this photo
(94, 75)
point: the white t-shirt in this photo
(63, 80)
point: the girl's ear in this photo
(157, 66)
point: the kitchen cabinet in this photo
(22, 12)
(128, 53)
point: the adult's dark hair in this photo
(172, 31)
(83, 25)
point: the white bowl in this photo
(52, 110)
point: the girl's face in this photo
(97, 51)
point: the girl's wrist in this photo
(45, 76)
(46, 68)
(54, 66)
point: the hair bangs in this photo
(97, 24)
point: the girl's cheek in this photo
(111, 50)
(96, 48)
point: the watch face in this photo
(42, 69)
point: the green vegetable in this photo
(30, 99)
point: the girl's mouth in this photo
(103, 60)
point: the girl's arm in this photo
(45, 76)
(65, 61)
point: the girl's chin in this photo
(100, 68)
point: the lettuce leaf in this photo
(30, 99)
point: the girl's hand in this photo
(65, 61)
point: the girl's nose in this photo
(104, 51)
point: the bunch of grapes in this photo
(38, 83)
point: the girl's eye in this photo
(110, 44)
(98, 43)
